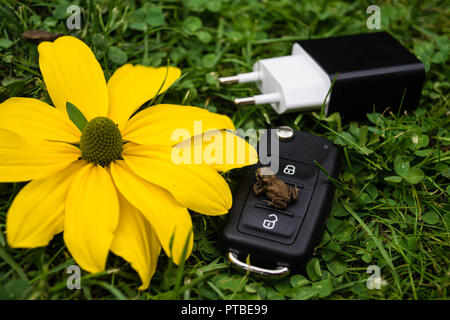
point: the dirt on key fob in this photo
(277, 218)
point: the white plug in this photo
(289, 83)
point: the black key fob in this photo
(277, 225)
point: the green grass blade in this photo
(5, 256)
(378, 243)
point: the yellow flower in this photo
(112, 186)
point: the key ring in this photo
(279, 271)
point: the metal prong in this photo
(244, 101)
(241, 78)
(228, 80)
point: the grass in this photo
(391, 207)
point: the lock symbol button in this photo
(270, 223)
(289, 169)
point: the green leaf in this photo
(446, 173)
(415, 175)
(282, 286)
(327, 254)
(431, 217)
(99, 41)
(333, 120)
(204, 36)
(439, 57)
(403, 169)
(336, 267)
(443, 43)
(155, 17)
(214, 5)
(211, 78)
(13, 86)
(50, 22)
(117, 55)
(138, 25)
(15, 289)
(332, 245)
(274, 295)
(345, 232)
(313, 269)
(196, 5)
(5, 43)
(234, 283)
(424, 152)
(423, 50)
(365, 198)
(367, 257)
(376, 119)
(298, 281)
(192, 23)
(146, 16)
(209, 60)
(60, 12)
(393, 179)
(359, 132)
(419, 141)
(400, 167)
(338, 210)
(325, 238)
(76, 116)
(447, 220)
(372, 191)
(324, 288)
(333, 224)
(305, 293)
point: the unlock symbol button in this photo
(270, 223)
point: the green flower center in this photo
(101, 142)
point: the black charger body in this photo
(369, 73)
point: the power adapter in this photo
(352, 74)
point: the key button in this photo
(270, 223)
(299, 173)
(289, 169)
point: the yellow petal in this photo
(167, 217)
(72, 73)
(136, 242)
(92, 213)
(167, 124)
(131, 86)
(196, 186)
(221, 149)
(37, 212)
(36, 120)
(23, 160)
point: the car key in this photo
(279, 234)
